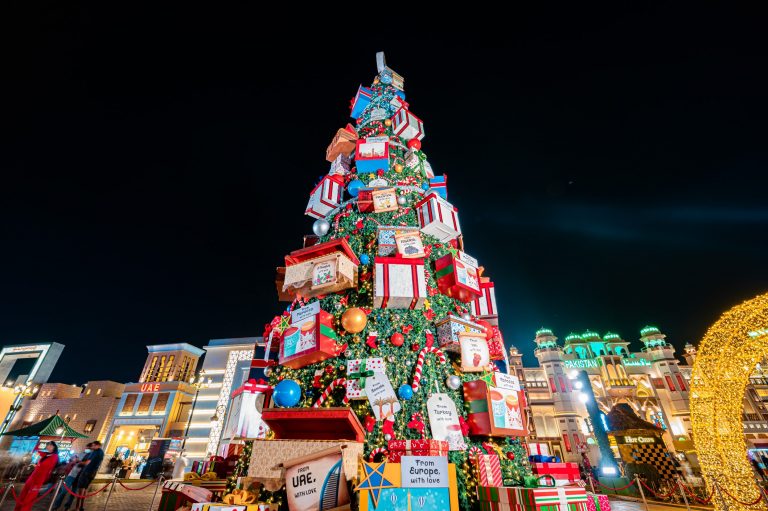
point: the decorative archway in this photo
(726, 357)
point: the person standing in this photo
(90, 465)
(49, 458)
(71, 471)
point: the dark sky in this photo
(609, 167)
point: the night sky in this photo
(609, 167)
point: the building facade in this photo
(650, 380)
(87, 409)
(158, 405)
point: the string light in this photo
(727, 355)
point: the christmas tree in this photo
(389, 316)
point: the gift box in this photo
(423, 447)
(449, 328)
(517, 498)
(397, 496)
(325, 197)
(321, 269)
(563, 473)
(409, 245)
(210, 506)
(340, 165)
(372, 154)
(485, 304)
(357, 372)
(488, 469)
(496, 344)
(598, 502)
(457, 276)
(361, 100)
(387, 237)
(283, 295)
(406, 125)
(495, 410)
(311, 337)
(439, 185)
(399, 283)
(377, 200)
(342, 144)
(438, 217)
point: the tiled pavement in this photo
(120, 500)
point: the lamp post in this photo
(22, 390)
(608, 465)
(199, 382)
(217, 414)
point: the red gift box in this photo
(313, 339)
(424, 447)
(487, 409)
(325, 197)
(484, 305)
(564, 473)
(489, 469)
(457, 276)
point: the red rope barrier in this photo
(85, 495)
(41, 497)
(657, 495)
(759, 497)
(698, 499)
(611, 487)
(136, 489)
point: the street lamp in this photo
(199, 382)
(215, 417)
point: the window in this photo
(89, 426)
(552, 385)
(567, 442)
(160, 403)
(680, 381)
(98, 392)
(168, 367)
(658, 383)
(160, 370)
(130, 402)
(150, 370)
(670, 383)
(144, 402)
(562, 384)
(88, 392)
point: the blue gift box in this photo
(406, 499)
(439, 185)
(361, 100)
(371, 155)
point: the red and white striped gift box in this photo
(407, 125)
(438, 217)
(485, 305)
(489, 469)
(399, 283)
(325, 196)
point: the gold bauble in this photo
(398, 168)
(376, 80)
(387, 122)
(354, 320)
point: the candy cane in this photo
(420, 364)
(377, 451)
(338, 382)
(475, 451)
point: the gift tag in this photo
(409, 245)
(381, 396)
(474, 352)
(444, 421)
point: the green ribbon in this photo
(361, 375)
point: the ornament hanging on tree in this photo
(321, 227)
(398, 168)
(405, 392)
(287, 393)
(354, 187)
(354, 320)
(453, 382)
(401, 200)
(372, 340)
(414, 143)
(387, 122)
(364, 259)
(397, 339)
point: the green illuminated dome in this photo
(649, 330)
(545, 338)
(590, 336)
(610, 336)
(543, 331)
(573, 338)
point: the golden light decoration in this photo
(726, 357)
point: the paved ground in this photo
(120, 500)
(628, 505)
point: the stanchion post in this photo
(111, 489)
(11, 482)
(682, 492)
(154, 495)
(56, 492)
(642, 493)
(719, 493)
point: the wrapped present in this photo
(488, 469)
(496, 410)
(310, 338)
(563, 473)
(377, 200)
(387, 237)
(283, 294)
(484, 305)
(357, 372)
(438, 217)
(386, 487)
(343, 143)
(423, 447)
(457, 276)
(598, 502)
(496, 344)
(538, 449)
(439, 185)
(325, 197)
(406, 125)
(340, 165)
(361, 100)
(449, 328)
(516, 498)
(372, 154)
(244, 417)
(321, 269)
(399, 283)
(409, 245)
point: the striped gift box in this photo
(535, 499)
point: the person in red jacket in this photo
(49, 458)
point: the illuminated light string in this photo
(727, 355)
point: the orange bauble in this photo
(354, 320)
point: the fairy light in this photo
(726, 357)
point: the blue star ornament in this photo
(374, 480)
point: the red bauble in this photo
(397, 339)
(414, 143)
(415, 346)
(487, 326)
(511, 455)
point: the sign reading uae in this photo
(150, 387)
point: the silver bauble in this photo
(453, 382)
(401, 200)
(321, 227)
(387, 437)
(267, 371)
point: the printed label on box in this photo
(324, 273)
(384, 200)
(424, 471)
(474, 352)
(410, 245)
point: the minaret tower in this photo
(689, 354)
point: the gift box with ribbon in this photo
(484, 306)
(361, 100)
(424, 447)
(321, 269)
(386, 237)
(377, 200)
(439, 185)
(343, 144)
(311, 337)
(449, 328)
(340, 165)
(563, 473)
(598, 502)
(488, 469)
(399, 283)
(372, 154)
(325, 196)
(516, 498)
(438, 217)
(358, 370)
(457, 276)
(495, 410)
(406, 125)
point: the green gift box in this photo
(515, 498)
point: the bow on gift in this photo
(361, 374)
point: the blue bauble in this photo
(287, 393)
(405, 392)
(425, 186)
(354, 187)
(365, 259)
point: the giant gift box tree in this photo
(389, 316)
